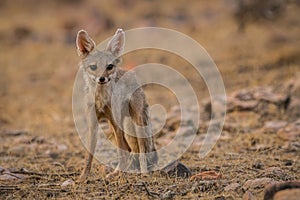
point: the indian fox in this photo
(101, 73)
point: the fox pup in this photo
(101, 73)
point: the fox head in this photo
(100, 66)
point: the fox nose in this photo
(102, 79)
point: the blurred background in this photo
(252, 42)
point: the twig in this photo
(149, 193)
(52, 190)
(22, 171)
(9, 187)
(14, 133)
(14, 187)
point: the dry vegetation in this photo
(38, 141)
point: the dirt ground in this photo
(40, 147)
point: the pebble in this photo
(282, 190)
(257, 183)
(67, 183)
(274, 171)
(11, 176)
(291, 132)
(18, 150)
(2, 169)
(290, 194)
(232, 187)
(177, 169)
(274, 126)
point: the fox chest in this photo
(102, 99)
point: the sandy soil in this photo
(38, 59)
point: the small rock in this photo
(266, 94)
(177, 169)
(241, 105)
(274, 126)
(2, 169)
(168, 195)
(291, 132)
(67, 183)
(248, 196)
(273, 171)
(243, 95)
(62, 147)
(257, 183)
(251, 98)
(258, 165)
(18, 150)
(273, 189)
(291, 194)
(232, 187)
(291, 146)
(11, 176)
(7, 177)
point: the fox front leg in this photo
(91, 143)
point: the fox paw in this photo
(82, 178)
(113, 175)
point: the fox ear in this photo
(84, 43)
(117, 43)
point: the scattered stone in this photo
(232, 187)
(258, 165)
(291, 146)
(2, 169)
(248, 196)
(274, 126)
(249, 99)
(207, 175)
(257, 183)
(68, 183)
(7, 176)
(291, 194)
(62, 147)
(281, 190)
(274, 171)
(271, 97)
(234, 104)
(168, 195)
(290, 132)
(177, 169)
(18, 150)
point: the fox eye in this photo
(110, 67)
(93, 67)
